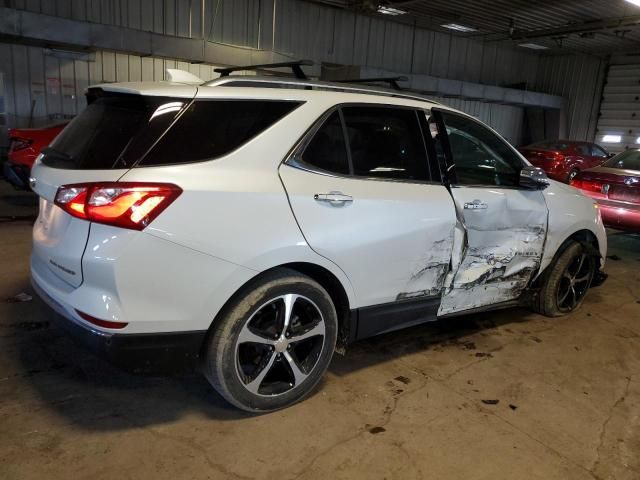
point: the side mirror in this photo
(611, 155)
(533, 178)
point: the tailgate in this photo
(58, 238)
(99, 145)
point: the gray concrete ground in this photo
(402, 406)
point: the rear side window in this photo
(583, 149)
(551, 145)
(212, 128)
(386, 143)
(327, 149)
(113, 131)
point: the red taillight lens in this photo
(101, 323)
(128, 204)
(17, 143)
(587, 185)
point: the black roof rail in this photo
(295, 68)
(392, 81)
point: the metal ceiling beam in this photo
(584, 27)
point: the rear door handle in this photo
(334, 198)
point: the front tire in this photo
(567, 281)
(273, 343)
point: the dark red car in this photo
(615, 185)
(24, 146)
(563, 159)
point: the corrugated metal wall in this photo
(45, 85)
(579, 79)
(307, 30)
(300, 30)
(42, 86)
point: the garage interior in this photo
(507, 394)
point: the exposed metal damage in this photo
(495, 273)
(501, 249)
(428, 278)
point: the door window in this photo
(386, 143)
(597, 151)
(479, 156)
(327, 150)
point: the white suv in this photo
(253, 225)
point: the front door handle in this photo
(334, 198)
(475, 205)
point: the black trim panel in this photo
(388, 317)
(140, 352)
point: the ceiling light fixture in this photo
(612, 139)
(635, 2)
(390, 10)
(535, 46)
(459, 28)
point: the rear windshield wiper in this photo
(55, 158)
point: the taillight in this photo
(127, 204)
(587, 185)
(554, 156)
(17, 143)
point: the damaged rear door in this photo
(364, 195)
(502, 227)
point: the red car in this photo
(24, 146)
(563, 159)
(615, 185)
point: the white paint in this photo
(392, 241)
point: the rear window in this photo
(627, 160)
(551, 145)
(122, 130)
(212, 128)
(113, 132)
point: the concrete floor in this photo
(402, 406)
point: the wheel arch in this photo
(584, 236)
(327, 279)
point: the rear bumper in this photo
(137, 352)
(17, 175)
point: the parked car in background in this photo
(25, 145)
(255, 229)
(615, 185)
(563, 159)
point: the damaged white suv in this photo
(255, 224)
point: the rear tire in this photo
(567, 281)
(273, 343)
